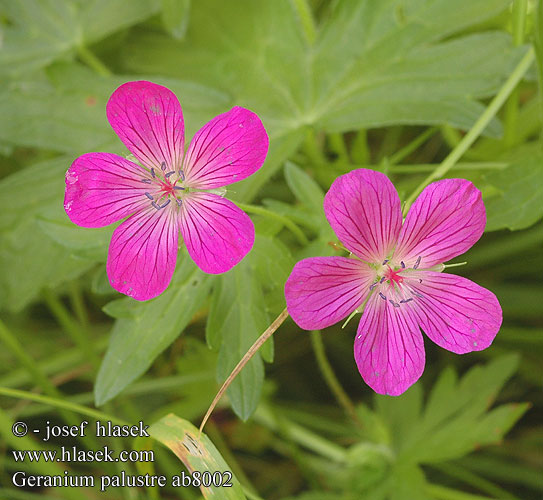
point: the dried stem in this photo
(248, 355)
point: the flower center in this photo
(393, 276)
(166, 186)
(396, 284)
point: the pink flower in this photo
(168, 191)
(396, 272)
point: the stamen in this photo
(179, 202)
(372, 287)
(169, 173)
(417, 264)
(402, 264)
(149, 196)
(420, 281)
(382, 279)
(404, 301)
(382, 296)
(179, 187)
(153, 173)
(166, 204)
(147, 181)
(181, 175)
(395, 304)
(163, 165)
(385, 261)
(417, 294)
(154, 204)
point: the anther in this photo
(181, 175)
(153, 173)
(179, 187)
(382, 279)
(163, 165)
(147, 181)
(385, 261)
(149, 196)
(165, 204)
(417, 263)
(169, 173)
(417, 294)
(373, 286)
(402, 264)
(395, 304)
(155, 205)
(420, 281)
(179, 202)
(382, 296)
(404, 301)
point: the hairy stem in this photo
(331, 379)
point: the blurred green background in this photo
(391, 85)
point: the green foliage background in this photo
(391, 85)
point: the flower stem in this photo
(60, 403)
(488, 114)
(92, 61)
(248, 355)
(331, 379)
(294, 229)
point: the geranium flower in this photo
(168, 191)
(395, 272)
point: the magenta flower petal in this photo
(102, 188)
(364, 211)
(389, 349)
(216, 232)
(228, 149)
(148, 119)
(142, 253)
(321, 291)
(456, 313)
(446, 220)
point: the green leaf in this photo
(44, 30)
(272, 263)
(175, 16)
(456, 419)
(304, 187)
(65, 111)
(145, 329)
(520, 191)
(87, 243)
(197, 452)
(372, 64)
(237, 317)
(29, 258)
